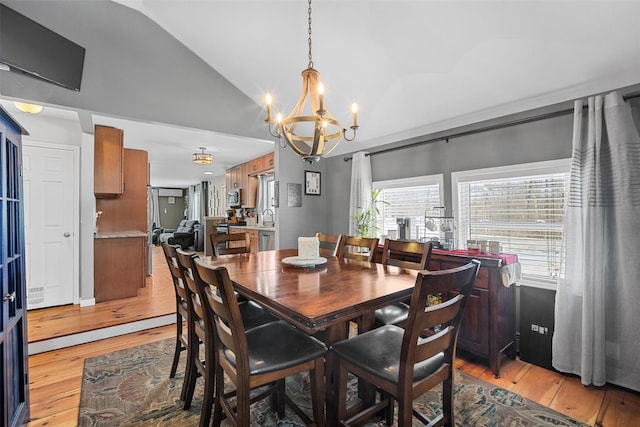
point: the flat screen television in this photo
(28, 47)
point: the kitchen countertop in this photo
(119, 234)
(253, 227)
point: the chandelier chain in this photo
(309, 39)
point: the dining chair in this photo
(354, 247)
(232, 243)
(329, 243)
(182, 310)
(413, 255)
(262, 356)
(200, 336)
(408, 362)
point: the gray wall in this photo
(145, 79)
(532, 142)
(171, 214)
(292, 222)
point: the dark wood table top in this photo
(316, 298)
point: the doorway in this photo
(51, 191)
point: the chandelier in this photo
(202, 158)
(310, 129)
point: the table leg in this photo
(333, 334)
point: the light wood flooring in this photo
(55, 377)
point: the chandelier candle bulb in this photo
(321, 96)
(268, 102)
(354, 110)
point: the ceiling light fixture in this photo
(28, 108)
(319, 132)
(202, 158)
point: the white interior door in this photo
(51, 224)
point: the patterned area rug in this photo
(132, 388)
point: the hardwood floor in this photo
(55, 377)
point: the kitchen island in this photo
(120, 264)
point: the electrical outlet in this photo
(534, 328)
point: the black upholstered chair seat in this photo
(277, 346)
(394, 314)
(254, 315)
(378, 352)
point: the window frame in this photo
(414, 181)
(502, 172)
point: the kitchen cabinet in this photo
(488, 326)
(108, 159)
(119, 264)
(253, 236)
(244, 177)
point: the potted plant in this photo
(366, 217)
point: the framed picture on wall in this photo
(312, 183)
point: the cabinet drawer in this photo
(482, 280)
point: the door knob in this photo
(10, 297)
(67, 234)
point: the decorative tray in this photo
(297, 261)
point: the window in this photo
(409, 197)
(522, 207)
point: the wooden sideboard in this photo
(488, 327)
(489, 323)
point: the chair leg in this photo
(191, 375)
(447, 401)
(219, 396)
(317, 392)
(277, 398)
(176, 354)
(243, 405)
(405, 411)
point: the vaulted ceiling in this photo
(414, 67)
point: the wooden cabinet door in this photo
(108, 171)
(255, 166)
(474, 329)
(269, 162)
(14, 387)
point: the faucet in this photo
(265, 212)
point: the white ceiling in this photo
(414, 67)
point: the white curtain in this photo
(155, 206)
(360, 187)
(597, 318)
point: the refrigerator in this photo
(151, 211)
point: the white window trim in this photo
(413, 181)
(524, 169)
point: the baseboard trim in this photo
(87, 302)
(99, 334)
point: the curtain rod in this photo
(487, 128)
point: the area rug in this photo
(132, 388)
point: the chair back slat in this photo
(354, 247)
(171, 256)
(224, 309)
(396, 252)
(434, 344)
(186, 263)
(329, 243)
(454, 286)
(441, 314)
(241, 243)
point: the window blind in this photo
(409, 201)
(525, 214)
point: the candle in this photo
(268, 102)
(354, 110)
(308, 247)
(321, 93)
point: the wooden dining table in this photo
(319, 300)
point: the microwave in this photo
(234, 199)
